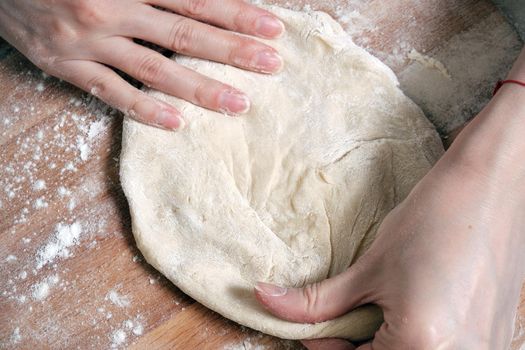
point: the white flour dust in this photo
(65, 237)
(118, 299)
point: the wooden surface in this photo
(59, 153)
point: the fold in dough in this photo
(291, 193)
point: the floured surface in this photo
(291, 193)
(78, 142)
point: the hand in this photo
(448, 263)
(446, 268)
(78, 40)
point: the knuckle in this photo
(63, 32)
(150, 69)
(312, 297)
(425, 332)
(181, 36)
(242, 51)
(242, 17)
(97, 86)
(89, 12)
(196, 7)
(135, 112)
(200, 94)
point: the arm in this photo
(494, 141)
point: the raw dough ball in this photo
(291, 193)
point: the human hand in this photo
(81, 40)
(446, 267)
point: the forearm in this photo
(494, 142)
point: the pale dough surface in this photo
(291, 193)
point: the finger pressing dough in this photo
(291, 193)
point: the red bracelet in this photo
(503, 82)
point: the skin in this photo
(448, 263)
(82, 41)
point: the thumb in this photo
(316, 302)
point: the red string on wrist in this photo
(508, 81)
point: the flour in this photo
(246, 345)
(40, 203)
(41, 290)
(63, 192)
(118, 299)
(475, 60)
(429, 62)
(10, 258)
(138, 329)
(118, 338)
(15, 336)
(129, 328)
(83, 148)
(40, 87)
(39, 185)
(65, 237)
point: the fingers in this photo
(105, 84)
(235, 15)
(316, 302)
(190, 37)
(163, 74)
(327, 344)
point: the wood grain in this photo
(104, 288)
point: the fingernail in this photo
(234, 102)
(169, 119)
(269, 27)
(270, 289)
(267, 62)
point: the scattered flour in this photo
(429, 62)
(63, 192)
(15, 336)
(10, 258)
(83, 148)
(134, 326)
(40, 87)
(118, 299)
(64, 238)
(40, 290)
(138, 329)
(40, 203)
(475, 60)
(246, 344)
(96, 128)
(118, 337)
(39, 185)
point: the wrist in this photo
(493, 144)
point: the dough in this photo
(291, 193)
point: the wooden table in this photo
(71, 275)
